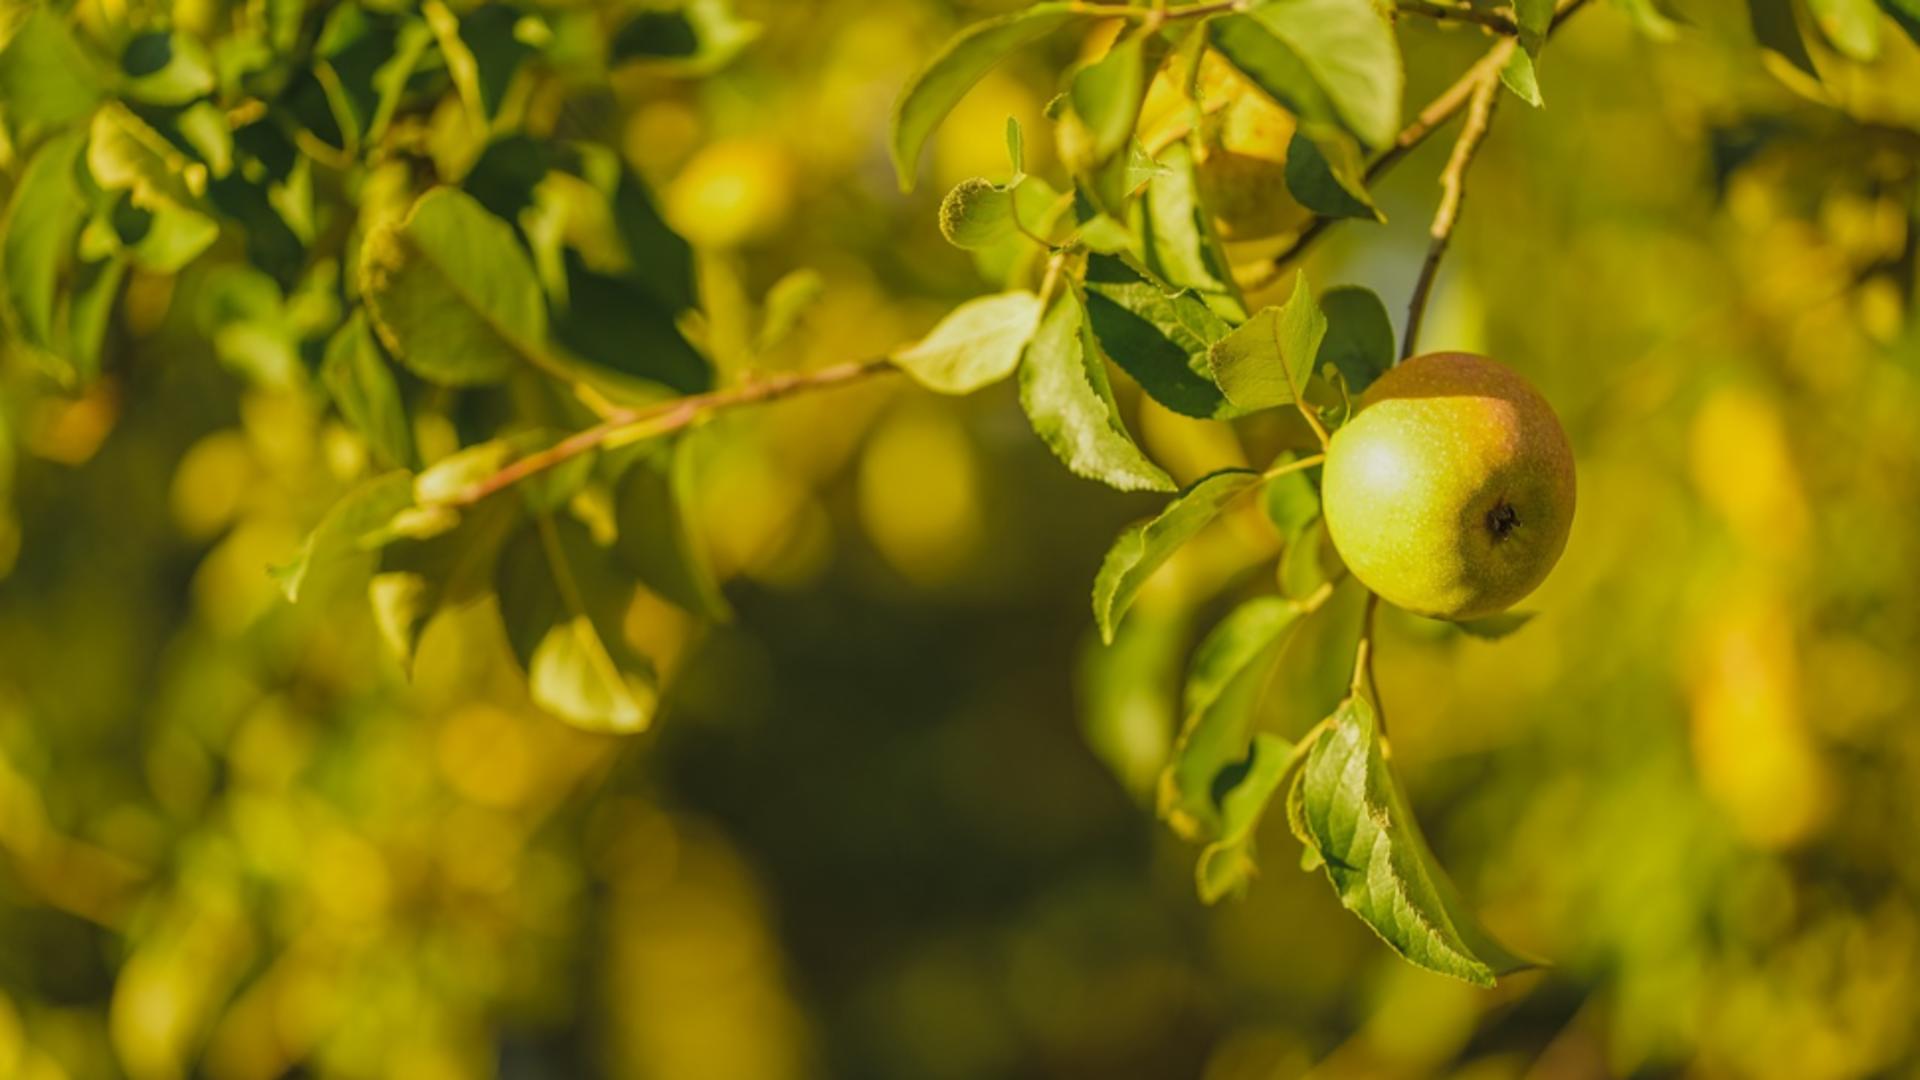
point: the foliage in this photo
(425, 333)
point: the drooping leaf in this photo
(1145, 545)
(610, 322)
(1267, 361)
(1224, 683)
(658, 538)
(1156, 334)
(1227, 864)
(348, 533)
(1064, 390)
(357, 374)
(962, 62)
(46, 79)
(1518, 75)
(977, 344)
(1178, 244)
(1103, 103)
(1327, 177)
(1359, 337)
(562, 605)
(451, 292)
(1355, 816)
(1778, 32)
(1330, 62)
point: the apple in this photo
(1450, 492)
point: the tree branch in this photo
(1492, 20)
(652, 421)
(1452, 190)
(1437, 112)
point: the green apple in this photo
(1450, 492)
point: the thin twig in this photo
(651, 421)
(1447, 214)
(1437, 112)
(1492, 20)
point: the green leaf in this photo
(1355, 816)
(1329, 179)
(166, 238)
(977, 344)
(609, 321)
(357, 374)
(349, 532)
(1359, 338)
(658, 540)
(1301, 571)
(166, 68)
(1016, 147)
(1104, 99)
(1227, 864)
(1778, 32)
(1517, 75)
(1225, 679)
(1853, 26)
(451, 292)
(420, 576)
(1290, 499)
(1267, 361)
(1145, 545)
(46, 80)
(786, 303)
(1534, 18)
(36, 245)
(1127, 693)
(488, 32)
(962, 62)
(698, 38)
(1330, 62)
(1064, 390)
(125, 153)
(1158, 335)
(1178, 244)
(562, 605)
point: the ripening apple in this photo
(1450, 492)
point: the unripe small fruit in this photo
(1450, 493)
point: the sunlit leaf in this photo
(695, 38)
(1064, 390)
(1144, 546)
(1852, 26)
(962, 62)
(1330, 62)
(451, 291)
(166, 68)
(1356, 817)
(562, 606)
(417, 578)
(1178, 242)
(1267, 360)
(1225, 680)
(347, 533)
(1778, 31)
(1518, 75)
(977, 344)
(1227, 864)
(46, 80)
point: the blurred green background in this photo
(876, 830)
